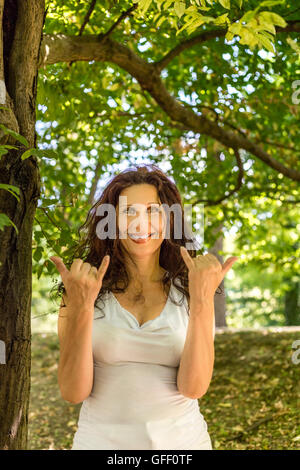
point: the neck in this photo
(146, 271)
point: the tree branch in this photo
(87, 16)
(86, 20)
(126, 13)
(57, 48)
(198, 39)
(203, 36)
(238, 185)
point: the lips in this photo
(141, 240)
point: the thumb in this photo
(229, 263)
(59, 265)
(103, 267)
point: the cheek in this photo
(121, 224)
(158, 222)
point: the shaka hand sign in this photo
(83, 282)
(205, 274)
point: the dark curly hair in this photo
(91, 249)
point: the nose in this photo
(140, 225)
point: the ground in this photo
(252, 402)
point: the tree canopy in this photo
(206, 89)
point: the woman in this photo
(140, 368)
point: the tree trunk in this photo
(292, 304)
(20, 39)
(95, 182)
(219, 300)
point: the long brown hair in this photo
(91, 249)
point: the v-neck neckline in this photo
(133, 316)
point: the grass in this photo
(252, 402)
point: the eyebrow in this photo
(129, 205)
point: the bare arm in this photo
(75, 368)
(197, 361)
(205, 274)
(75, 325)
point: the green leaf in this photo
(222, 19)
(3, 152)
(225, 3)
(14, 190)
(179, 8)
(48, 153)
(248, 37)
(144, 6)
(14, 134)
(28, 153)
(265, 25)
(248, 16)
(40, 270)
(236, 28)
(229, 36)
(266, 43)
(168, 4)
(65, 237)
(5, 221)
(294, 45)
(49, 202)
(273, 18)
(160, 21)
(271, 3)
(8, 146)
(38, 235)
(38, 253)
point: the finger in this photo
(186, 257)
(103, 267)
(229, 263)
(85, 267)
(59, 265)
(76, 265)
(214, 259)
(94, 271)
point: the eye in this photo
(155, 209)
(128, 209)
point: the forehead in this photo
(139, 194)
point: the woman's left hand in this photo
(205, 275)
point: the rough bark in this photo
(292, 304)
(20, 40)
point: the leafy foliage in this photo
(98, 120)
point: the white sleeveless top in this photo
(134, 402)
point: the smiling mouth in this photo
(141, 239)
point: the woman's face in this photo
(139, 213)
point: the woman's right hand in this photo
(83, 282)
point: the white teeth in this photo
(138, 237)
